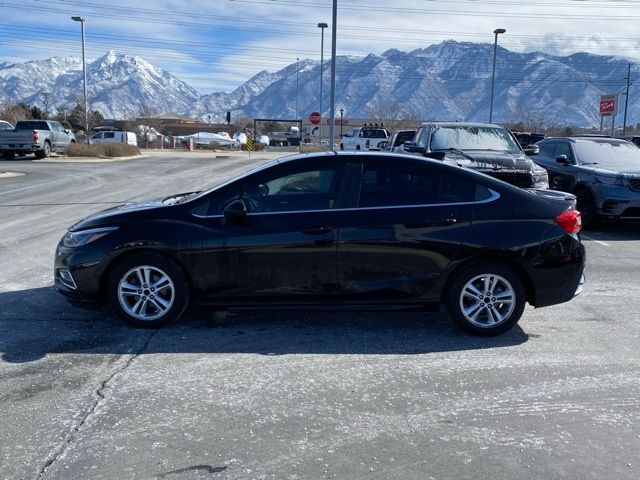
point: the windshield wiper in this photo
(456, 150)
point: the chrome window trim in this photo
(494, 196)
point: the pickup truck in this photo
(486, 148)
(364, 138)
(40, 137)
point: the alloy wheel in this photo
(146, 293)
(487, 300)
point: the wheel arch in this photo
(115, 261)
(503, 259)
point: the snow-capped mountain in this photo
(448, 81)
(117, 85)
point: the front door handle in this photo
(443, 222)
(317, 229)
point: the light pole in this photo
(341, 117)
(321, 26)
(84, 78)
(332, 110)
(496, 32)
(297, 86)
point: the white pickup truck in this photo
(364, 138)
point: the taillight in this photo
(570, 221)
(36, 135)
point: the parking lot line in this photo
(596, 241)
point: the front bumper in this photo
(77, 273)
(618, 202)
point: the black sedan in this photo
(348, 231)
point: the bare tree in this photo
(148, 116)
(13, 113)
(386, 110)
(541, 120)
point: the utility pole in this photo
(84, 77)
(496, 32)
(332, 111)
(321, 26)
(46, 104)
(626, 101)
(297, 86)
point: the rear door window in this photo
(388, 186)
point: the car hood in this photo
(621, 169)
(484, 161)
(112, 215)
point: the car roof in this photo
(580, 138)
(462, 124)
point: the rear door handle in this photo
(443, 222)
(317, 229)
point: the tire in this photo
(485, 320)
(8, 155)
(358, 148)
(163, 306)
(45, 152)
(587, 207)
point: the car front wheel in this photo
(486, 299)
(148, 290)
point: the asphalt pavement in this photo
(299, 395)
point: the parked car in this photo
(527, 138)
(40, 137)
(397, 139)
(115, 136)
(364, 138)
(5, 125)
(485, 148)
(635, 139)
(333, 230)
(603, 173)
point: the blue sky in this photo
(216, 45)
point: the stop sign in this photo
(314, 118)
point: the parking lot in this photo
(299, 395)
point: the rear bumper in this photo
(558, 273)
(20, 147)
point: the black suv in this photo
(486, 148)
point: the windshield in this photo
(473, 138)
(608, 153)
(222, 183)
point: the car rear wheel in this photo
(587, 207)
(148, 290)
(486, 299)
(45, 152)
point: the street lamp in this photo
(496, 32)
(84, 78)
(341, 117)
(297, 86)
(321, 26)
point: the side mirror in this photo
(235, 213)
(66, 130)
(382, 145)
(413, 148)
(563, 159)
(437, 155)
(532, 150)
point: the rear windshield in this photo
(377, 133)
(608, 153)
(32, 125)
(404, 137)
(473, 138)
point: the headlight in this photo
(541, 180)
(83, 237)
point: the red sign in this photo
(314, 118)
(608, 105)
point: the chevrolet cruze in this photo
(349, 230)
